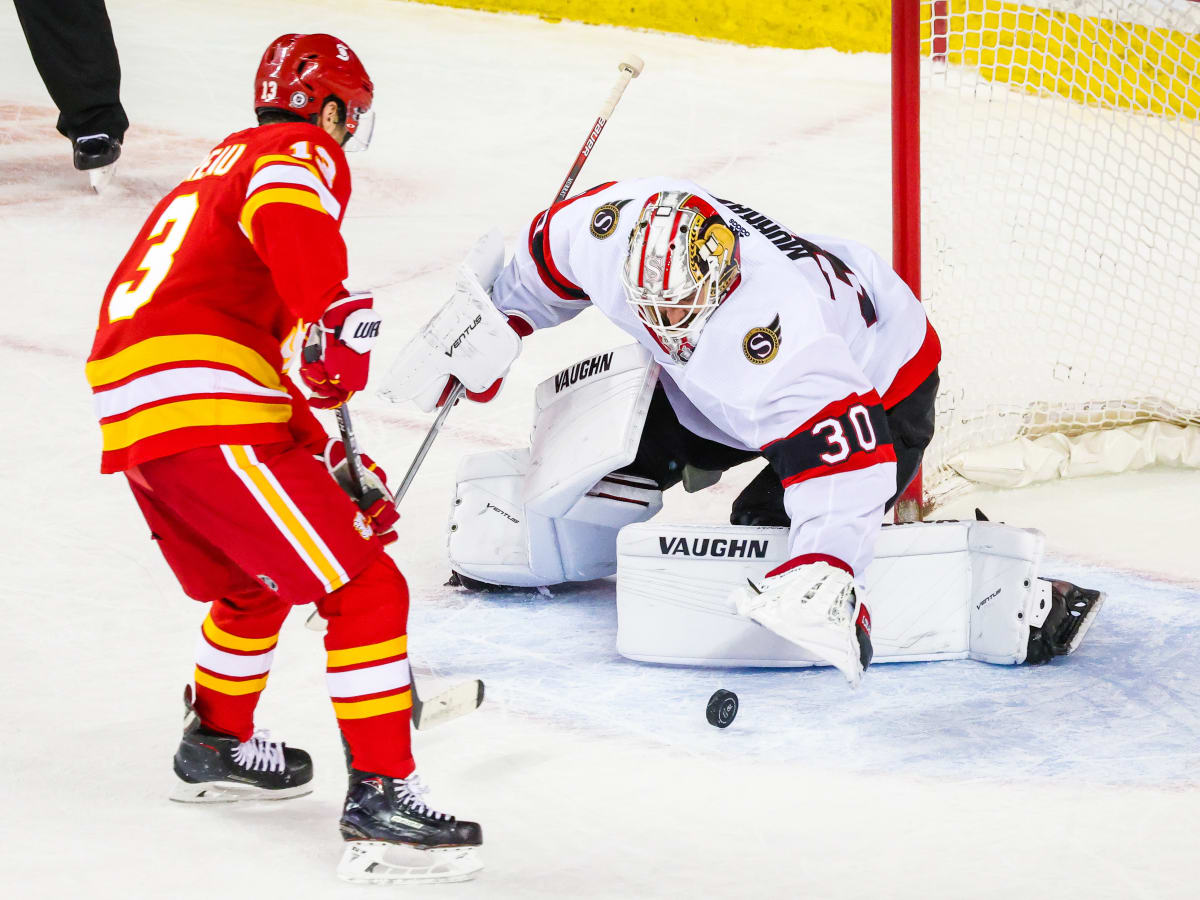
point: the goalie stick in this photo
(466, 697)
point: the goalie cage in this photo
(1046, 208)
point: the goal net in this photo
(1059, 231)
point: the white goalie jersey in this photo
(812, 345)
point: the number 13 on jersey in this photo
(172, 226)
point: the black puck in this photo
(722, 708)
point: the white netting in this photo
(1060, 208)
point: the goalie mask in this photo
(682, 262)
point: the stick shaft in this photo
(594, 135)
(350, 446)
(426, 444)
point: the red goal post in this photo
(1046, 208)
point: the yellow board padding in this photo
(171, 348)
(1089, 59)
(226, 686)
(855, 25)
(352, 656)
(364, 709)
(227, 641)
(190, 414)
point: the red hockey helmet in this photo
(300, 72)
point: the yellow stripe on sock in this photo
(380, 706)
(229, 641)
(367, 653)
(225, 686)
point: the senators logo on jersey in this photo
(605, 218)
(761, 345)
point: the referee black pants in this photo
(666, 448)
(72, 46)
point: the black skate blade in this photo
(1086, 618)
(232, 792)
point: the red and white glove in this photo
(376, 503)
(337, 350)
(523, 330)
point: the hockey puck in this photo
(722, 708)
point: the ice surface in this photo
(593, 776)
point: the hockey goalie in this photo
(752, 341)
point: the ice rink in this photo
(592, 776)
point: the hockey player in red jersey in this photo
(233, 271)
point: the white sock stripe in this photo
(266, 507)
(221, 663)
(300, 517)
(370, 680)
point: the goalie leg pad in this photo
(946, 590)
(495, 538)
(551, 513)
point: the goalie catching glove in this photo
(815, 605)
(468, 340)
(337, 350)
(376, 503)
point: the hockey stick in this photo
(466, 697)
(630, 67)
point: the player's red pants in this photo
(255, 530)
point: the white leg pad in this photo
(494, 537)
(551, 513)
(946, 590)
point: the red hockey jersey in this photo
(205, 312)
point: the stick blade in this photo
(450, 704)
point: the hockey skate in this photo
(1072, 611)
(815, 607)
(393, 837)
(97, 154)
(218, 768)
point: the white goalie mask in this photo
(681, 264)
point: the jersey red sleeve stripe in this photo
(856, 461)
(833, 411)
(914, 372)
(539, 249)
(847, 435)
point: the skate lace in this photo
(260, 752)
(409, 792)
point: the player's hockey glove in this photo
(376, 503)
(814, 604)
(337, 350)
